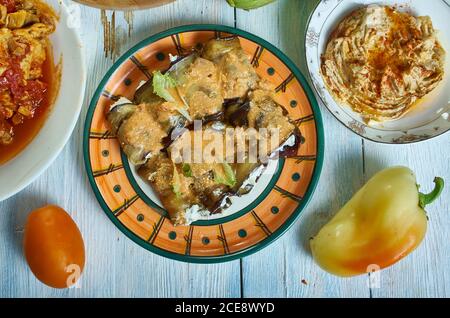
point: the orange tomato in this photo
(54, 247)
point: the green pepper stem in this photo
(425, 199)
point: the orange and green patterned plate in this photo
(261, 216)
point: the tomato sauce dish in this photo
(42, 82)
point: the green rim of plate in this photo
(317, 167)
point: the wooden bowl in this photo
(124, 4)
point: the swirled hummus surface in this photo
(380, 62)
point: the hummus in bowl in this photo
(380, 61)
(380, 68)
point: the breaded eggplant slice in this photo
(119, 112)
(186, 191)
(189, 190)
(260, 110)
(209, 180)
(159, 172)
(237, 73)
(139, 134)
(197, 95)
(199, 85)
(168, 114)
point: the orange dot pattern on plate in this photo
(202, 241)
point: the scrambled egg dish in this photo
(380, 61)
(24, 29)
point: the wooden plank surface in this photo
(116, 267)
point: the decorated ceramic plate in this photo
(253, 220)
(428, 117)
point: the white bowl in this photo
(45, 147)
(429, 120)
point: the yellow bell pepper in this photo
(380, 225)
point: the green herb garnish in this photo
(229, 177)
(161, 84)
(187, 171)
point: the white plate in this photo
(430, 120)
(40, 153)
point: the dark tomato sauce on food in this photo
(38, 92)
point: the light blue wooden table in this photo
(116, 267)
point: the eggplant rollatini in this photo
(218, 87)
